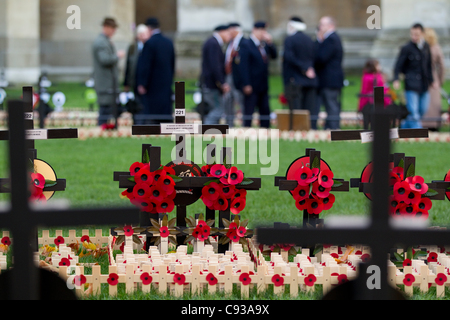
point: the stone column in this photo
(19, 40)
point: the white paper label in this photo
(29, 116)
(367, 137)
(36, 134)
(171, 128)
(180, 112)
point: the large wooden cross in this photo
(380, 235)
(193, 182)
(23, 220)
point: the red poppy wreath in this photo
(223, 192)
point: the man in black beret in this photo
(213, 77)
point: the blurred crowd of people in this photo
(234, 76)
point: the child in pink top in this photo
(372, 77)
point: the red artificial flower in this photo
(241, 231)
(328, 202)
(79, 280)
(342, 278)
(218, 171)
(136, 167)
(277, 280)
(304, 176)
(221, 204)
(417, 184)
(233, 236)
(237, 205)
(314, 206)
(396, 175)
(401, 191)
(169, 170)
(64, 262)
(159, 174)
(164, 232)
(407, 263)
(310, 280)
(179, 279)
(301, 192)
(37, 195)
(235, 176)
(365, 258)
(228, 191)
(422, 214)
(128, 193)
(207, 169)
(165, 206)
(212, 191)
(320, 191)
(282, 99)
(113, 279)
(142, 191)
(233, 226)
(393, 204)
(157, 193)
(441, 279)
(59, 240)
(196, 233)
(128, 231)
(409, 280)
(6, 241)
(240, 193)
(212, 280)
(425, 204)
(432, 257)
(144, 176)
(38, 180)
(146, 278)
(410, 209)
(326, 178)
(301, 205)
(145, 205)
(167, 184)
(85, 239)
(245, 279)
(413, 197)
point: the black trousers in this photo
(306, 100)
(260, 101)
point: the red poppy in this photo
(326, 178)
(128, 231)
(228, 191)
(235, 176)
(159, 174)
(38, 180)
(301, 192)
(407, 263)
(409, 280)
(157, 193)
(207, 169)
(282, 99)
(144, 176)
(410, 209)
(396, 175)
(211, 191)
(441, 279)
(422, 214)
(64, 262)
(218, 170)
(413, 197)
(135, 167)
(417, 184)
(401, 191)
(212, 280)
(164, 232)
(320, 191)
(128, 193)
(233, 226)
(233, 236)
(314, 206)
(6, 241)
(179, 279)
(342, 278)
(310, 280)
(304, 176)
(277, 280)
(425, 204)
(59, 240)
(146, 278)
(245, 279)
(169, 170)
(85, 238)
(365, 258)
(241, 231)
(237, 205)
(113, 279)
(393, 204)
(240, 193)
(142, 191)
(79, 280)
(196, 233)
(328, 202)
(432, 257)
(167, 184)
(301, 205)
(165, 206)
(145, 205)
(221, 204)
(37, 195)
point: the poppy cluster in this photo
(202, 231)
(222, 192)
(408, 198)
(313, 191)
(154, 192)
(37, 185)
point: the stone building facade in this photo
(34, 37)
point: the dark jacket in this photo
(329, 57)
(156, 71)
(254, 69)
(299, 56)
(213, 64)
(236, 65)
(415, 64)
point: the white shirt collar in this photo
(218, 38)
(256, 41)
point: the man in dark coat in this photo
(155, 76)
(213, 76)
(414, 62)
(328, 66)
(256, 53)
(299, 77)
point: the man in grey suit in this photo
(106, 73)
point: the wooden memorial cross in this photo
(380, 235)
(37, 134)
(286, 184)
(23, 220)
